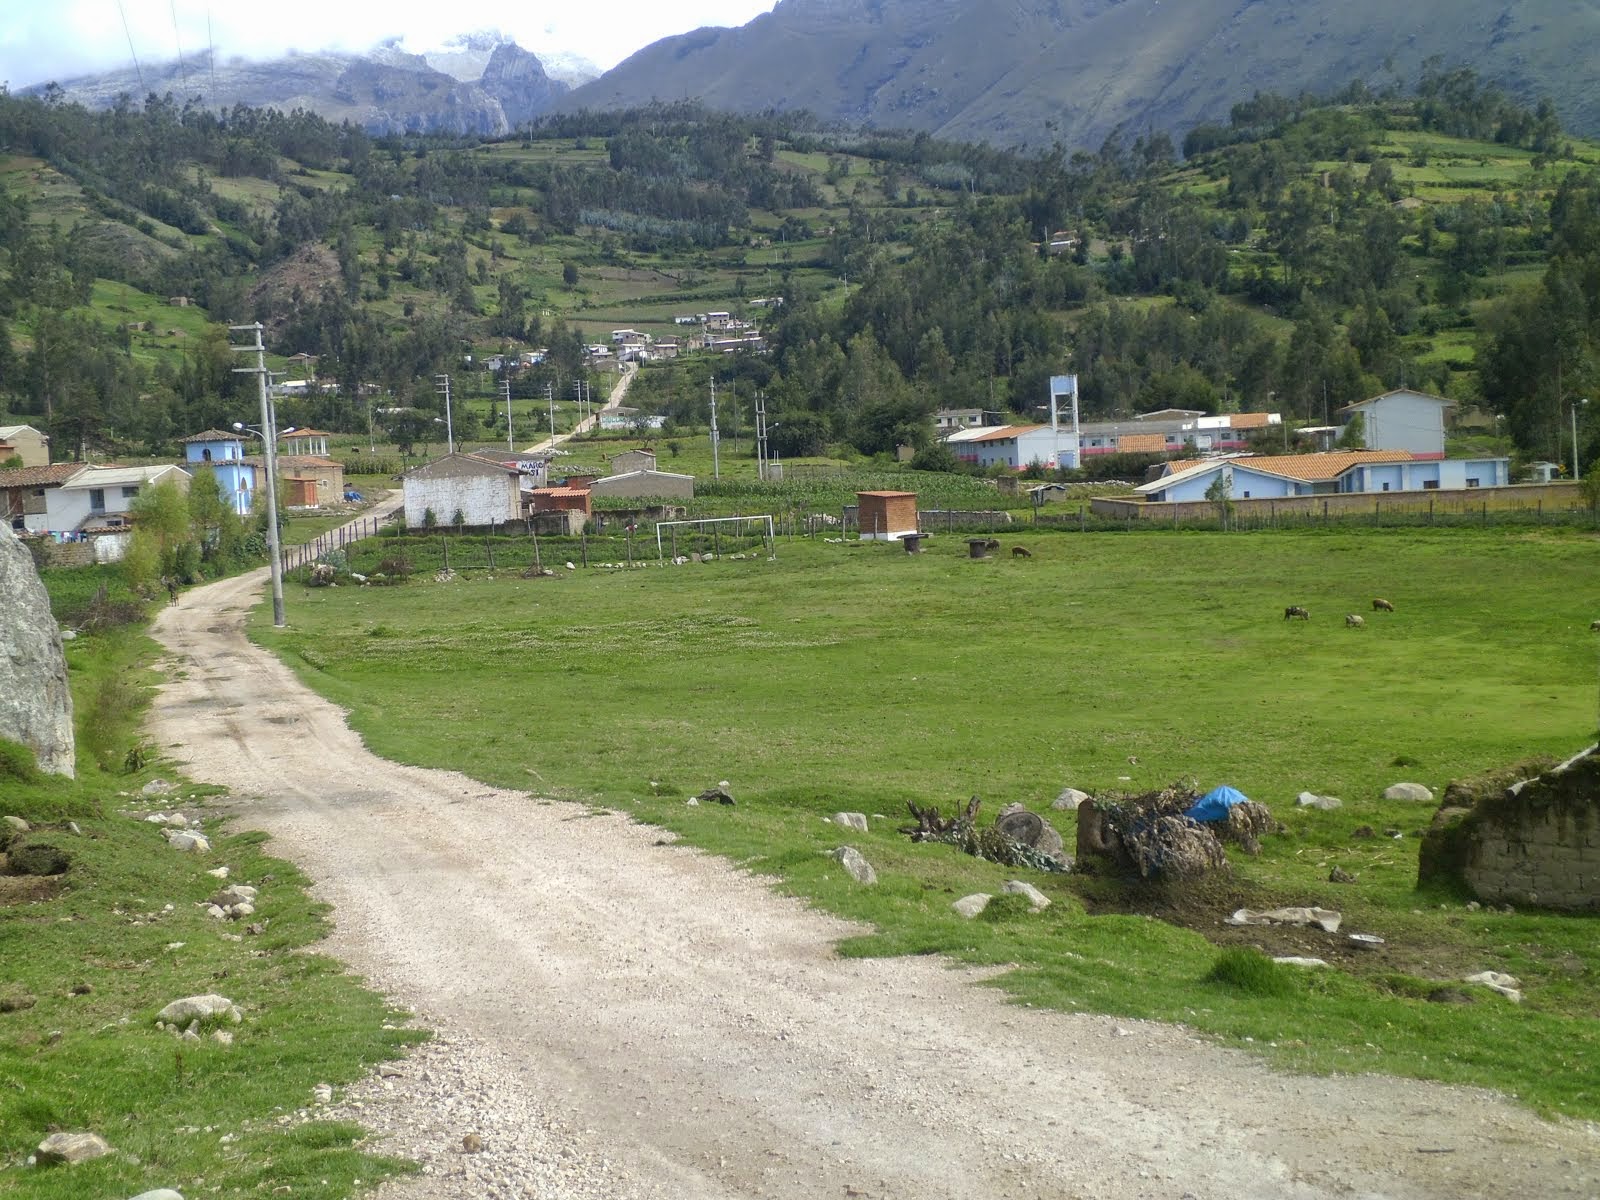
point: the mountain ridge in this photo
(1032, 72)
(385, 90)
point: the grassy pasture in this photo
(851, 677)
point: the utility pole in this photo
(761, 436)
(550, 395)
(716, 463)
(1575, 403)
(269, 442)
(505, 390)
(441, 384)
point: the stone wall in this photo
(1519, 497)
(35, 701)
(1536, 843)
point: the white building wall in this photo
(1404, 421)
(482, 500)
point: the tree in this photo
(569, 275)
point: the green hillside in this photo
(1305, 254)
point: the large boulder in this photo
(35, 702)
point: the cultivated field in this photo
(849, 677)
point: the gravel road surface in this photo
(620, 1016)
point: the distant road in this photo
(619, 392)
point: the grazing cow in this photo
(992, 544)
(1294, 610)
(1354, 621)
(1021, 552)
(1382, 606)
(1594, 626)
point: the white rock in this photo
(571, 567)
(241, 910)
(1325, 918)
(851, 820)
(216, 912)
(1407, 791)
(177, 821)
(1069, 799)
(234, 893)
(156, 787)
(199, 1008)
(692, 802)
(157, 818)
(322, 1093)
(18, 824)
(194, 843)
(971, 906)
(1325, 803)
(72, 1148)
(1292, 960)
(724, 784)
(1037, 900)
(219, 872)
(160, 1194)
(857, 867)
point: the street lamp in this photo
(269, 442)
(1575, 404)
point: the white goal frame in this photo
(771, 541)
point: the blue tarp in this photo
(1214, 805)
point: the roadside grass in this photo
(92, 955)
(857, 678)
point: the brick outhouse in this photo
(886, 516)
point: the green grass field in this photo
(852, 677)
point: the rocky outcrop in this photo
(35, 702)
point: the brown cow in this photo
(1382, 606)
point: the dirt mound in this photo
(300, 278)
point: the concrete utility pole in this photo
(1575, 404)
(442, 386)
(505, 390)
(761, 436)
(550, 395)
(716, 463)
(269, 441)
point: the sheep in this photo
(1294, 610)
(1021, 552)
(1353, 621)
(1594, 626)
(1382, 606)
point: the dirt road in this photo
(624, 1017)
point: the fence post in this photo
(537, 565)
(446, 553)
(583, 544)
(489, 545)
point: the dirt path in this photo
(619, 393)
(623, 1017)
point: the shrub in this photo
(1252, 972)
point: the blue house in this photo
(223, 453)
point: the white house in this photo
(1278, 476)
(101, 497)
(481, 491)
(1401, 420)
(1016, 446)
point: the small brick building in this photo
(886, 516)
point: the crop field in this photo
(858, 678)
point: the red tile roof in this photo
(1004, 433)
(1308, 468)
(1142, 443)
(39, 476)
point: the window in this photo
(128, 493)
(97, 499)
(1472, 481)
(1430, 485)
(1247, 495)
(1386, 487)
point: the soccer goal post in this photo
(713, 537)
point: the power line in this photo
(211, 55)
(138, 70)
(177, 40)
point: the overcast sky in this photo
(41, 40)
